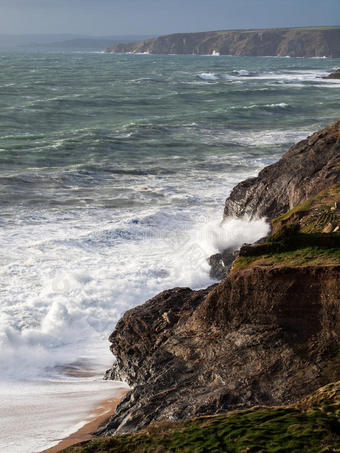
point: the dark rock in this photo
(217, 268)
(295, 42)
(220, 263)
(265, 335)
(251, 250)
(334, 75)
(260, 337)
(305, 170)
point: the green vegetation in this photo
(254, 30)
(313, 425)
(314, 214)
(308, 256)
(308, 235)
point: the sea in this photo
(114, 170)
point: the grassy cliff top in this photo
(255, 30)
(312, 425)
(316, 215)
(259, 30)
(308, 235)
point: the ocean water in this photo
(113, 174)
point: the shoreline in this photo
(104, 410)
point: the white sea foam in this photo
(256, 138)
(297, 77)
(232, 233)
(66, 283)
(208, 76)
(281, 105)
(242, 72)
(283, 77)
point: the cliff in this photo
(306, 169)
(261, 337)
(269, 333)
(294, 42)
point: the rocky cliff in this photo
(307, 168)
(261, 337)
(295, 42)
(267, 334)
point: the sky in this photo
(124, 17)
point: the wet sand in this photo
(97, 418)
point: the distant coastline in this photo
(293, 42)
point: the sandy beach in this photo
(98, 417)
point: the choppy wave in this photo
(208, 76)
(297, 77)
(77, 287)
(281, 105)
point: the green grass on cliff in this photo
(313, 425)
(257, 30)
(307, 235)
(314, 214)
(308, 256)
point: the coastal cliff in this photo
(250, 347)
(269, 333)
(294, 42)
(307, 168)
(251, 340)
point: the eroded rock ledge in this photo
(261, 337)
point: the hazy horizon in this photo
(130, 17)
(122, 35)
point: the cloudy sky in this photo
(110, 17)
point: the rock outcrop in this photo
(306, 169)
(269, 333)
(295, 42)
(260, 337)
(334, 75)
(220, 263)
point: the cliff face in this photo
(261, 337)
(307, 168)
(295, 42)
(268, 334)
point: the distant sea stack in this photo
(293, 42)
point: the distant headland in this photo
(292, 42)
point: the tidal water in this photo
(113, 174)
